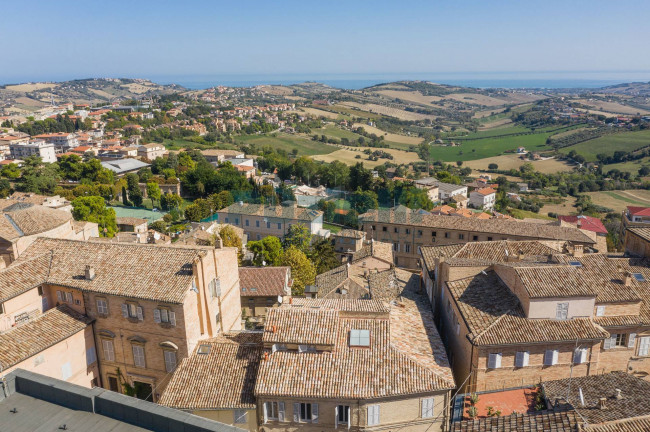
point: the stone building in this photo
(263, 288)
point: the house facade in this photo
(483, 198)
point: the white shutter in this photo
(314, 413)
(172, 318)
(644, 345)
(555, 355)
(631, 340)
(349, 419)
(494, 361)
(281, 411)
(296, 412)
(583, 355)
(610, 342)
(427, 408)
(521, 359)
(264, 412)
(580, 356)
(140, 314)
(68, 297)
(59, 296)
(548, 357)
(336, 416)
(376, 417)
(125, 310)
(156, 315)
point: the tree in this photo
(303, 271)
(170, 201)
(229, 238)
(153, 190)
(11, 171)
(93, 209)
(362, 201)
(493, 166)
(298, 236)
(323, 255)
(266, 251)
(198, 210)
(133, 188)
(360, 178)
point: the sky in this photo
(58, 40)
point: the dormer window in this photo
(562, 311)
(306, 348)
(359, 338)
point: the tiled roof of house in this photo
(554, 281)
(638, 211)
(588, 223)
(642, 232)
(343, 305)
(54, 326)
(24, 219)
(341, 282)
(485, 191)
(634, 392)
(23, 276)
(404, 216)
(264, 281)
(223, 378)
(380, 250)
(135, 271)
(634, 424)
(296, 325)
(130, 221)
(350, 233)
(387, 285)
(279, 211)
(544, 421)
(494, 316)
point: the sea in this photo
(523, 80)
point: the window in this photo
(407, 247)
(384, 229)
(373, 415)
(521, 358)
(257, 224)
(644, 345)
(396, 247)
(236, 221)
(580, 356)
(138, 356)
(91, 356)
(550, 357)
(446, 235)
(278, 347)
(433, 233)
(359, 337)
(164, 315)
(639, 277)
(562, 311)
(621, 340)
(419, 233)
(489, 238)
(396, 230)
(279, 226)
(68, 297)
(273, 411)
(461, 236)
(268, 224)
(66, 371)
(170, 360)
(226, 220)
(305, 412)
(474, 238)
(494, 360)
(240, 414)
(102, 306)
(204, 349)
(427, 407)
(246, 225)
(408, 231)
(109, 350)
(600, 310)
(575, 263)
(215, 287)
(373, 227)
(306, 348)
(342, 415)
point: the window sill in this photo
(101, 315)
(166, 325)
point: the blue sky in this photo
(78, 39)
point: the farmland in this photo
(348, 155)
(618, 200)
(489, 147)
(513, 161)
(286, 142)
(608, 144)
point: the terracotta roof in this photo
(485, 191)
(543, 421)
(130, 221)
(350, 233)
(634, 424)
(554, 281)
(634, 391)
(381, 250)
(343, 305)
(387, 285)
(24, 219)
(264, 281)
(23, 276)
(642, 232)
(54, 326)
(494, 316)
(380, 370)
(127, 270)
(223, 378)
(588, 223)
(405, 216)
(638, 211)
(280, 211)
(297, 325)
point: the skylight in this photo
(575, 263)
(639, 277)
(360, 338)
(204, 349)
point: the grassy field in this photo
(618, 200)
(512, 161)
(348, 155)
(565, 207)
(281, 141)
(631, 166)
(390, 137)
(489, 147)
(525, 214)
(608, 144)
(333, 131)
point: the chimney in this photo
(520, 255)
(90, 272)
(578, 251)
(619, 396)
(290, 300)
(442, 258)
(273, 329)
(601, 403)
(266, 356)
(627, 279)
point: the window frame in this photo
(138, 346)
(173, 367)
(358, 336)
(562, 311)
(375, 418)
(105, 351)
(98, 301)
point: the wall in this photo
(227, 416)
(27, 302)
(546, 308)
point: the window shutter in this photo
(296, 412)
(494, 361)
(68, 297)
(264, 412)
(172, 318)
(59, 296)
(609, 342)
(631, 340)
(140, 314)
(125, 310)
(583, 355)
(156, 315)
(577, 356)
(555, 355)
(427, 408)
(349, 419)
(376, 418)
(548, 357)
(519, 359)
(314, 413)
(336, 416)
(281, 411)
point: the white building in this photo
(39, 148)
(63, 141)
(483, 198)
(448, 190)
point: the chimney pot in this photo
(627, 279)
(601, 403)
(90, 272)
(618, 394)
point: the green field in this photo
(631, 166)
(492, 132)
(332, 131)
(608, 144)
(489, 147)
(281, 141)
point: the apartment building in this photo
(152, 151)
(149, 305)
(259, 220)
(431, 185)
(408, 230)
(41, 148)
(483, 198)
(516, 313)
(263, 288)
(346, 242)
(62, 141)
(353, 364)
